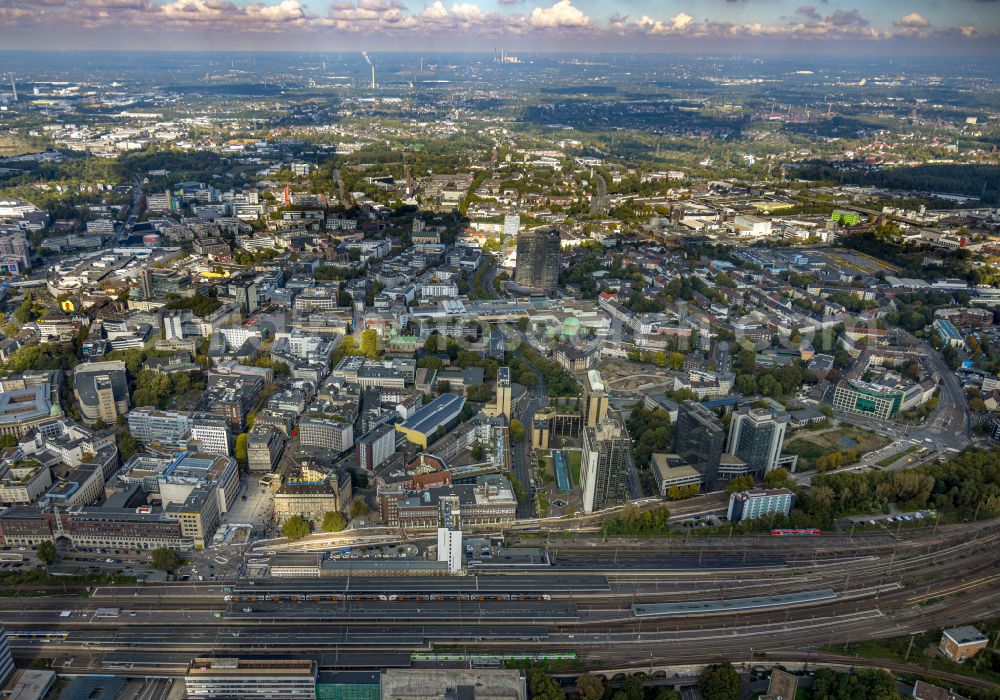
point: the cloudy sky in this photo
(932, 26)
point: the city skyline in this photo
(781, 26)
(523, 349)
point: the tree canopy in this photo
(334, 521)
(720, 682)
(295, 528)
(165, 559)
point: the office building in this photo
(511, 225)
(504, 392)
(31, 684)
(490, 501)
(101, 391)
(197, 515)
(311, 492)
(449, 548)
(328, 436)
(233, 395)
(947, 332)
(244, 290)
(160, 429)
(264, 446)
(212, 433)
(23, 408)
(537, 266)
(6, 660)
(375, 447)
(756, 436)
(440, 414)
(595, 399)
(699, 438)
(173, 324)
(15, 256)
(155, 283)
(605, 463)
(757, 503)
(24, 481)
(104, 526)
(670, 471)
(881, 398)
(251, 679)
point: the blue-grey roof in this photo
(25, 404)
(437, 413)
(85, 377)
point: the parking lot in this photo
(894, 519)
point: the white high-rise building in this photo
(450, 548)
(450, 533)
(757, 503)
(607, 454)
(7, 661)
(511, 225)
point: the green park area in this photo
(833, 447)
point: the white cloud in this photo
(655, 27)
(914, 19)
(681, 20)
(286, 11)
(435, 11)
(561, 15)
(464, 20)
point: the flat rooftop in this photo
(438, 412)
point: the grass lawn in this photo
(543, 504)
(811, 445)
(574, 457)
(10, 146)
(546, 470)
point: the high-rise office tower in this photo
(755, 436)
(511, 225)
(503, 391)
(595, 400)
(6, 660)
(538, 260)
(449, 533)
(699, 438)
(101, 391)
(606, 457)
